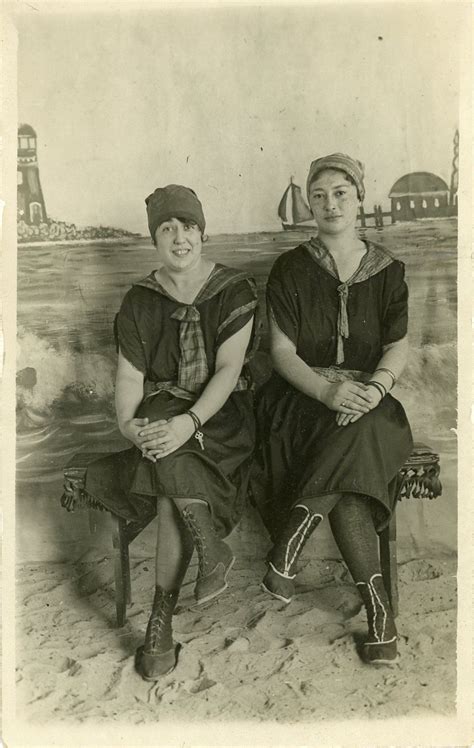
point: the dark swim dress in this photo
(302, 451)
(163, 338)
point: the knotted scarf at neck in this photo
(342, 321)
(375, 259)
(193, 370)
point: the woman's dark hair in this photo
(204, 236)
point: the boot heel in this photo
(158, 656)
(153, 667)
(380, 653)
(213, 584)
(214, 555)
(278, 585)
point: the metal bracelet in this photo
(379, 386)
(389, 372)
(196, 420)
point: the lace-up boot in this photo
(215, 557)
(282, 559)
(381, 645)
(158, 655)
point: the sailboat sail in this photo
(283, 208)
(292, 208)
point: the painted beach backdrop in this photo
(67, 298)
(212, 107)
(232, 102)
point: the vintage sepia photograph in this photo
(236, 496)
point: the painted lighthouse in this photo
(31, 207)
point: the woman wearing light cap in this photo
(332, 437)
(184, 335)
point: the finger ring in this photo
(343, 404)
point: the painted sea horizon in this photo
(300, 232)
(68, 295)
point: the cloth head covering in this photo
(342, 162)
(173, 201)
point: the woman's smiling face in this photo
(179, 244)
(333, 201)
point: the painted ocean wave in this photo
(65, 402)
(59, 384)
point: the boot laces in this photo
(198, 537)
(159, 620)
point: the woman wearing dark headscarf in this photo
(184, 335)
(333, 438)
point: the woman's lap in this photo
(305, 454)
(129, 484)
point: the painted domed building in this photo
(419, 195)
(30, 205)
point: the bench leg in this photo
(92, 521)
(388, 562)
(121, 569)
(128, 581)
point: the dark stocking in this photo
(354, 532)
(174, 547)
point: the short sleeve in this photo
(127, 336)
(282, 300)
(238, 306)
(395, 321)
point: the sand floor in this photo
(243, 656)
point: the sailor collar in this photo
(220, 277)
(375, 259)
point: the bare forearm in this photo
(128, 396)
(292, 368)
(394, 359)
(216, 393)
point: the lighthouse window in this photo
(399, 207)
(424, 204)
(24, 143)
(436, 202)
(19, 177)
(32, 143)
(412, 203)
(36, 213)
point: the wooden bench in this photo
(418, 479)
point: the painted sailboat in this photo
(293, 210)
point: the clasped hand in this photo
(351, 400)
(159, 438)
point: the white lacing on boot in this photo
(300, 536)
(287, 550)
(279, 581)
(377, 607)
